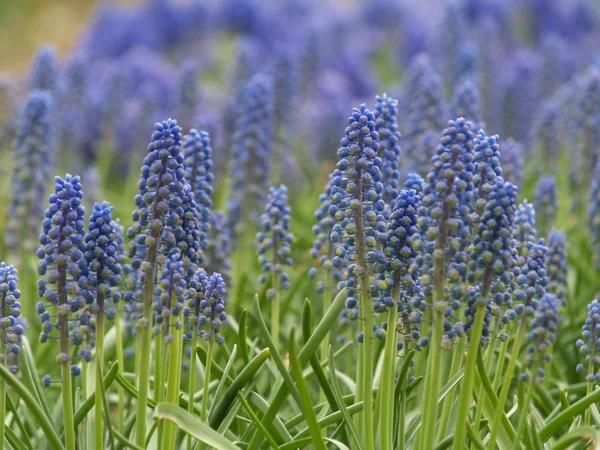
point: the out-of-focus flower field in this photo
(247, 224)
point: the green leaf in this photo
(581, 434)
(305, 442)
(262, 405)
(309, 348)
(242, 337)
(89, 402)
(348, 422)
(223, 378)
(568, 414)
(192, 426)
(306, 401)
(216, 371)
(17, 417)
(33, 405)
(257, 421)
(240, 381)
(31, 377)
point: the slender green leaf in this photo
(192, 426)
(89, 402)
(240, 381)
(305, 442)
(243, 345)
(33, 405)
(568, 414)
(348, 422)
(581, 434)
(257, 421)
(306, 401)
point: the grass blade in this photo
(192, 426)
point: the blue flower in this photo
(426, 108)
(414, 181)
(444, 217)
(34, 159)
(594, 215)
(511, 158)
(61, 264)
(188, 90)
(542, 336)
(218, 248)
(101, 253)
(546, 204)
(252, 146)
(275, 240)
(198, 172)
(44, 71)
(466, 103)
(386, 124)
(547, 130)
(556, 262)
(589, 344)
(401, 274)
(487, 168)
(10, 329)
(357, 202)
(206, 305)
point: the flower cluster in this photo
(589, 343)
(594, 215)
(400, 271)
(10, 310)
(487, 168)
(546, 204)
(60, 255)
(386, 124)
(556, 262)
(324, 247)
(547, 130)
(444, 217)
(424, 91)
(357, 202)
(44, 71)
(206, 307)
(275, 240)
(218, 248)
(532, 278)
(466, 103)
(511, 158)
(414, 181)
(542, 336)
(34, 157)
(162, 180)
(493, 256)
(252, 146)
(198, 172)
(101, 253)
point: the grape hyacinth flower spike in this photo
(101, 255)
(589, 345)
(444, 219)
(61, 256)
(358, 210)
(556, 262)
(275, 249)
(10, 330)
(386, 124)
(162, 181)
(546, 204)
(594, 216)
(400, 249)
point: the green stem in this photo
(160, 360)
(590, 383)
(386, 387)
(173, 384)
(500, 361)
(449, 400)
(275, 311)
(2, 384)
(402, 419)
(466, 394)
(506, 386)
(145, 345)
(64, 340)
(192, 378)
(121, 359)
(426, 437)
(326, 305)
(98, 418)
(524, 411)
(488, 357)
(209, 352)
(367, 302)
